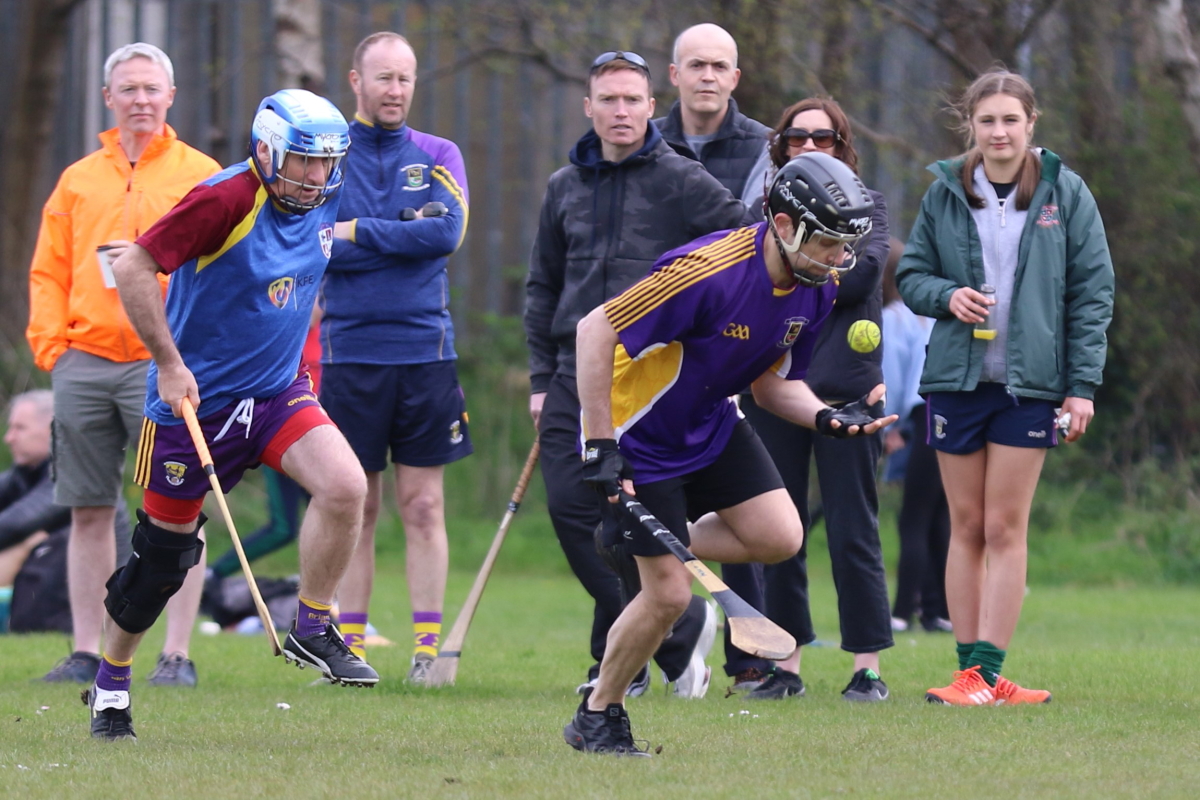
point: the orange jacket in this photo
(98, 199)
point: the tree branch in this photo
(928, 34)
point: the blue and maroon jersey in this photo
(701, 327)
(244, 277)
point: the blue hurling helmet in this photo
(299, 122)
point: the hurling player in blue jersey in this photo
(246, 250)
(657, 367)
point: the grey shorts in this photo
(97, 415)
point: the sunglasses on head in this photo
(620, 55)
(796, 137)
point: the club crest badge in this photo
(939, 426)
(456, 434)
(280, 291)
(1048, 216)
(414, 178)
(175, 472)
(795, 325)
(325, 237)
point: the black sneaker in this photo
(111, 719)
(779, 684)
(173, 670)
(328, 652)
(865, 687)
(602, 731)
(79, 667)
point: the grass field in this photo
(1125, 721)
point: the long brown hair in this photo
(998, 81)
(843, 150)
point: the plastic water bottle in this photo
(987, 328)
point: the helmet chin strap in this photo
(804, 277)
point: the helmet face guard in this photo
(823, 198)
(302, 125)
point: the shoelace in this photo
(169, 668)
(65, 663)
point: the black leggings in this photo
(924, 525)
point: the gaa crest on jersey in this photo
(325, 237)
(174, 472)
(280, 291)
(795, 325)
(414, 178)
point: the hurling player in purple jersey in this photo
(657, 368)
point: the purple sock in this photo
(311, 618)
(113, 678)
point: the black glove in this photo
(604, 467)
(433, 208)
(858, 413)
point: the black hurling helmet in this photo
(823, 197)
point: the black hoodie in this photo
(602, 227)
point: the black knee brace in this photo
(139, 591)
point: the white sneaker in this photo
(641, 682)
(693, 683)
(899, 625)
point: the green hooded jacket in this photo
(1062, 295)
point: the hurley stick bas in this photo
(749, 630)
(193, 425)
(445, 667)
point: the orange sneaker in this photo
(968, 689)
(1009, 694)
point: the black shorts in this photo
(743, 471)
(417, 410)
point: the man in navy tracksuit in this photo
(390, 379)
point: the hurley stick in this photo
(445, 668)
(193, 425)
(749, 630)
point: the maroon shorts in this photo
(240, 437)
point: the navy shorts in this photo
(743, 471)
(964, 422)
(417, 410)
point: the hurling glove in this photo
(604, 467)
(857, 413)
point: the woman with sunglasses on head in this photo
(1008, 253)
(846, 363)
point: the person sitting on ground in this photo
(28, 512)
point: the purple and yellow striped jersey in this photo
(701, 327)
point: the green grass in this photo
(1120, 662)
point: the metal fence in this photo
(515, 122)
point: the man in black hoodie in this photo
(704, 124)
(625, 199)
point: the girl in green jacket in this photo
(1009, 254)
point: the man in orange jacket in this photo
(79, 333)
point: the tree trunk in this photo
(28, 132)
(298, 45)
(1181, 64)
